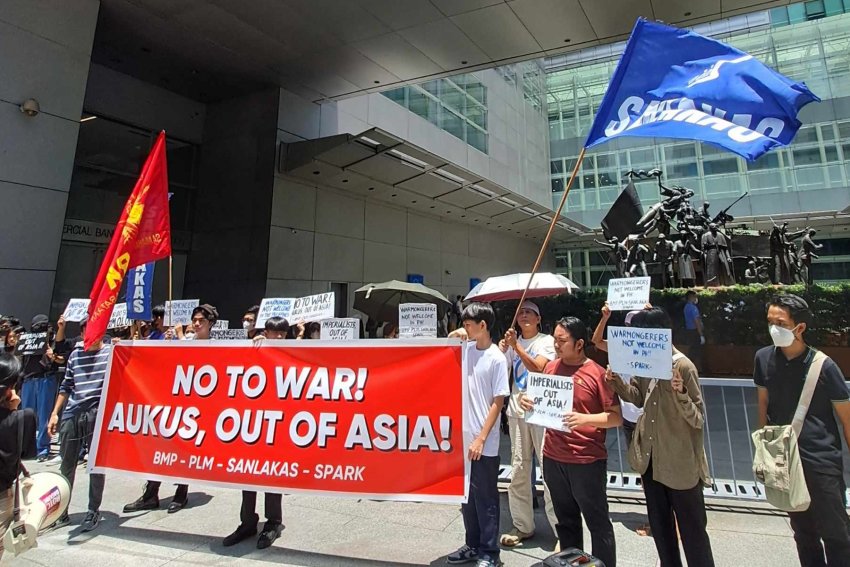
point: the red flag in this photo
(142, 235)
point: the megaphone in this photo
(44, 496)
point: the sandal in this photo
(514, 537)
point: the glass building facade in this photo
(456, 104)
(807, 42)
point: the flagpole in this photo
(549, 234)
(170, 300)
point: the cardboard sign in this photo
(31, 343)
(293, 417)
(118, 318)
(221, 324)
(140, 292)
(228, 334)
(179, 312)
(274, 307)
(340, 329)
(553, 398)
(417, 320)
(647, 353)
(628, 294)
(76, 310)
(312, 308)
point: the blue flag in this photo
(139, 292)
(673, 83)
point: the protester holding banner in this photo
(667, 450)
(249, 321)
(11, 452)
(81, 389)
(41, 384)
(277, 328)
(158, 328)
(487, 383)
(203, 318)
(575, 463)
(529, 352)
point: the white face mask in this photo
(781, 337)
(248, 325)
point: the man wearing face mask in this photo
(694, 330)
(780, 372)
(249, 321)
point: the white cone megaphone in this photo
(44, 496)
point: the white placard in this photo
(76, 310)
(628, 294)
(553, 398)
(228, 334)
(647, 353)
(273, 307)
(221, 324)
(417, 320)
(118, 318)
(312, 308)
(340, 329)
(179, 312)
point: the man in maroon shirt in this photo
(575, 463)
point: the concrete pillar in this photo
(45, 52)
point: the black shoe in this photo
(463, 555)
(270, 533)
(42, 458)
(149, 503)
(242, 532)
(63, 521)
(177, 505)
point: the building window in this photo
(456, 104)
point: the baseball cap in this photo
(630, 315)
(39, 320)
(531, 306)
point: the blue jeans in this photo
(39, 395)
(481, 512)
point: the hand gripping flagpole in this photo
(549, 234)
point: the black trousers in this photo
(481, 512)
(695, 347)
(629, 430)
(152, 489)
(580, 490)
(248, 514)
(667, 507)
(823, 529)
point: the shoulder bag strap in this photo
(808, 391)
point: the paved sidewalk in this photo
(331, 532)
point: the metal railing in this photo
(731, 415)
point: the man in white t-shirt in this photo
(486, 390)
(528, 352)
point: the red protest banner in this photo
(379, 420)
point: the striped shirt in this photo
(83, 381)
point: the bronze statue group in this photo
(705, 239)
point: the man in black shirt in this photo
(11, 450)
(780, 372)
